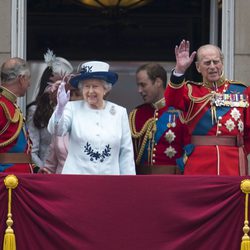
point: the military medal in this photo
(169, 121)
(226, 100)
(174, 123)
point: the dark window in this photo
(147, 33)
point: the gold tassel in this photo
(9, 242)
(245, 242)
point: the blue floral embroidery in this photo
(96, 155)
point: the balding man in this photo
(14, 141)
(216, 111)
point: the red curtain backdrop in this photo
(57, 212)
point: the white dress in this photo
(99, 140)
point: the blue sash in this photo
(19, 147)
(161, 128)
(204, 125)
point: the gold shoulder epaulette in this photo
(147, 125)
(237, 82)
(195, 83)
(16, 115)
(141, 136)
(17, 118)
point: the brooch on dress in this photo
(112, 110)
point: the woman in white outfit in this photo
(99, 134)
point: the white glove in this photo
(62, 99)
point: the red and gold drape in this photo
(57, 212)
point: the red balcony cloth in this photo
(57, 212)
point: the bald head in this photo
(206, 49)
(15, 75)
(210, 63)
(12, 68)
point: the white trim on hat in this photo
(95, 66)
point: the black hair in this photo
(44, 107)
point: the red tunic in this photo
(158, 136)
(13, 134)
(220, 114)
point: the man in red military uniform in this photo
(158, 135)
(14, 142)
(216, 111)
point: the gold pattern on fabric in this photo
(142, 136)
(176, 86)
(16, 115)
(15, 135)
(7, 94)
(5, 128)
(9, 243)
(160, 104)
(245, 241)
(219, 83)
(204, 99)
(237, 82)
(211, 97)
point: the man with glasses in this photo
(14, 141)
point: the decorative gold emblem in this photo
(170, 152)
(230, 125)
(235, 113)
(240, 126)
(170, 136)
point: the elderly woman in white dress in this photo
(99, 134)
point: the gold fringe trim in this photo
(147, 132)
(176, 86)
(5, 127)
(9, 243)
(11, 139)
(207, 98)
(245, 243)
(16, 115)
